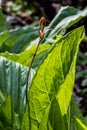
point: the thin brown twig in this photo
(41, 36)
(28, 73)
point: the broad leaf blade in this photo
(50, 79)
(65, 18)
(17, 40)
(12, 82)
(68, 56)
(25, 57)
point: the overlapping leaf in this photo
(24, 58)
(51, 82)
(65, 18)
(17, 40)
(12, 82)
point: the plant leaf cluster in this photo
(51, 80)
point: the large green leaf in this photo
(12, 82)
(67, 54)
(65, 18)
(52, 82)
(17, 40)
(40, 94)
(24, 58)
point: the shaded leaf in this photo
(25, 120)
(25, 57)
(65, 18)
(75, 112)
(17, 40)
(5, 115)
(55, 117)
(12, 82)
(68, 57)
(2, 21)
(79, 124)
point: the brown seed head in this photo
(41, 34)
(42, 22)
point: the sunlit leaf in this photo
(52, 82)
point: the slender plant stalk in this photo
(28, 73)
(41, 36)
